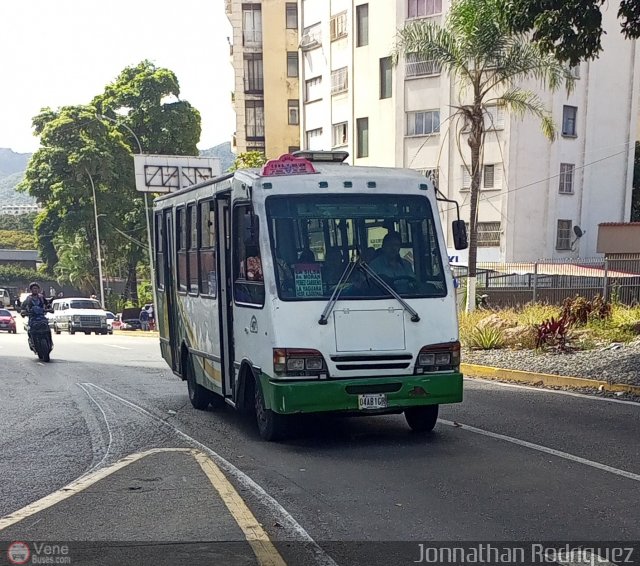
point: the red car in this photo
(7, 322)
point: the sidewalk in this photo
(161, 508)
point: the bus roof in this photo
(322, 169)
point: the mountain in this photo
(222, 152)
(12, 162)
(12, 168)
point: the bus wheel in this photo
(422, 419)
(198, 395)
(271, 425)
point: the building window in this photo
(291, 10)
(574, 71)
(293, 148)
(252, 25)
(338, 26)
(494, 117)
(313, 89)
(254, 115)
(417, 66)
(563, 236)
(569, 114)
(339, 81)
(386, 77)
(362, 25)
(491, 177)
(292, 63)
(362, 125)
(424, 8)
(423, 123)
(488, 234)
(294, 111)
(256, 146)
(566, 178)
(340, 136)
(253, 75)
(314, 139)
(208, 280)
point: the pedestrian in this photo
(144, 320)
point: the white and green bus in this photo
(309, 286)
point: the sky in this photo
(64, 52)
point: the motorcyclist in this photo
(34, 305)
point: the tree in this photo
(78, 146)
(248, 160)
(635, 195)
(75, 265)
(16, 240)
(144, 99)
(22, 222)
(488, 63)
(570, 29)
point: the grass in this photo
(621, 326)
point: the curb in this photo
(136, 333)
(488, 372)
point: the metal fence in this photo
(552, 281)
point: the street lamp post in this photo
(146, 209)
(95, 213)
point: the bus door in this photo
(170, 288)
(225, 294)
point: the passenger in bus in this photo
(388, 263)
(333, 266)
(307, 256)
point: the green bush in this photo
(486, 338)
(12, 274)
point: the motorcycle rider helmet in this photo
(32, 285)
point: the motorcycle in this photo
(40, 341)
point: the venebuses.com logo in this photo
(18, 552)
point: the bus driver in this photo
(388, 263)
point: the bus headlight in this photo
(298, 362)
(439, 357)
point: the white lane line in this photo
(545, 449)
(489, 382)
(285, 518)
(106, 422)
(114, 346)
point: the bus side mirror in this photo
(459, 229)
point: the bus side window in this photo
(248, 281)
(207, 249)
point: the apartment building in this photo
(264, 54)
(534, 193)
(18, 209)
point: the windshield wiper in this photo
(337, 290)
(415, 317)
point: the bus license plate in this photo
(370, 401)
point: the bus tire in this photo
(422, 419)
(199, 396)
(271, 425)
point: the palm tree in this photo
(488, 63)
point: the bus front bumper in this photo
(343, 395)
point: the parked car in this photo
(7, 322)
(78, 314)
(110, 320)
(5, 299)
(131, 319)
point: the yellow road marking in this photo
(266, 553)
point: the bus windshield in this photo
(314, 238)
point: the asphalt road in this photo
(508, 464)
